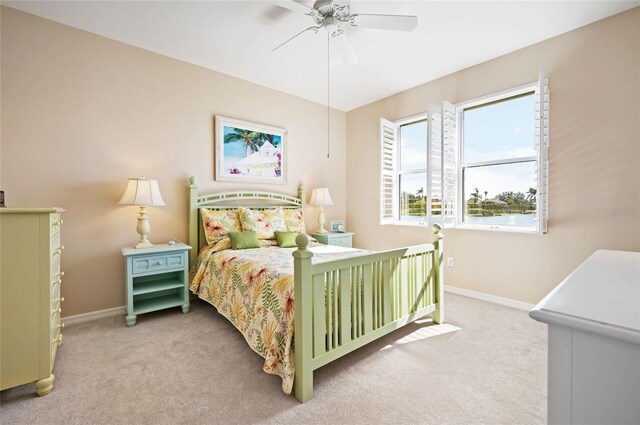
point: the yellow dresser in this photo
(30, 279)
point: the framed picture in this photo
(249, 152)
(337, 226)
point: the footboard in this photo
(344, 304)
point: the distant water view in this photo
(504, 220)
(496, 220)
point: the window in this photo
(498, 162)
(409, 170)
(478, 164)
(412, 171)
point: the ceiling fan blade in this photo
(292, 5)
(315, 29)
(386, 22)
(344, 49)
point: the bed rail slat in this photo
(319, 320)
(329, 310)
(334, 302)
(345, 301)
(386, 291)
(367, 294)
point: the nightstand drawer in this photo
(346, 241)
(158, 262)
(343, 239)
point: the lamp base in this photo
(143, 229)
(144, 244)
(321, 221)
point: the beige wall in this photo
(81, 113)
(594, 77)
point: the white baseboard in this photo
(94, 315)
(117, 311)
(489, 298)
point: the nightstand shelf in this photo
(335, 238)
(157, 303)
(156, 285)
(157, 278)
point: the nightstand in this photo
(157, 278)
(334, 238)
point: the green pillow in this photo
(244, 240)
(286, 239)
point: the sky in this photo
(497, 131)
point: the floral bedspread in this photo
(254, 289)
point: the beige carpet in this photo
(196, 368)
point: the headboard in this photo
(255, 200)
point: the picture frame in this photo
(249, 152)
(337, 226)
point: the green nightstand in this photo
(334, 238)
(157, 278)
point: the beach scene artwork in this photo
(249, 152)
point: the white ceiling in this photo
(236, 38)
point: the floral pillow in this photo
(217, 224)
(294, 221)
(264, 223)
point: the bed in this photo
(344, 298)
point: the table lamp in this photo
(320, 197)
(144, 193)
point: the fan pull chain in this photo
(328, 89)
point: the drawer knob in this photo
(158, 263)
(60, 300)
(60, 326)
(61, 274)
(57, 282)
(59, 310)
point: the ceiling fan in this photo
(334, 18)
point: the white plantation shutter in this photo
(387, 171)
(434, 167)
(542, 149)
(449, 165)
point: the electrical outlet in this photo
(450, 262)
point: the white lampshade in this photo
(142, 191)
(320, 196)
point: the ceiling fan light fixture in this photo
(332, 25)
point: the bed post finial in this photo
(193, 220)
(303, 319)
(302, 241)
(438, 247)
(301, 195)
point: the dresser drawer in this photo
(55, 241)
(56, 299)
(55, 268)
(55, 222)
(158, 262)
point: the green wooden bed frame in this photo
(343, 304)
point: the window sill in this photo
(400, 224)
(502, 229)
